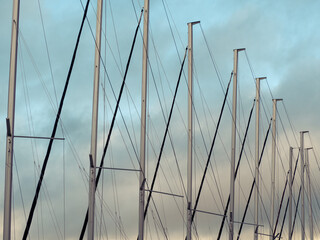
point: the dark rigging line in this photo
(253, 183)
(26, 232)
(236, 172)
(283, 220)
(294, 174)
(164, 138)
(295, 214)
(281, 202)
(216, 177)
(210, 151)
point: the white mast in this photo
(93, 150)
(10, 122)
(290, 193)
(190, 129)
(302, 183)
(273, 164)
(233, 139)
(309, 193)
(143, 119)
(257, 156)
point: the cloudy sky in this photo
(280, 38)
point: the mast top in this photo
(193, 23)
(239, 49)
(304, 131)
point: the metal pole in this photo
(257, 155)
(273, 164)
(94, 127)
(190, 129)
(143, 118)
(302, 184)
(233, 139)
(309, 194)
(10, 121)
(290, 192)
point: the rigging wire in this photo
(48, 55)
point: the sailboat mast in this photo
(273, 164)
(290, 193)
(309, 193)
(257, 157)
(143, 119)
(93, 150)
(233, 139)
(302, 183)
(10, 122)
(190, 129)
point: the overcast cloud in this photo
(281, 40)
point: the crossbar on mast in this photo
(34, 137)
(222, 215)
(121, 169)
(170, 194)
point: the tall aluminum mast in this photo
(143, 119)
(309, 193)
(233, 139)
(273, 164)
(290, 193)
(257, 156)
(190, 129)
(93, 150)
(302, 184)
(10, 122)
